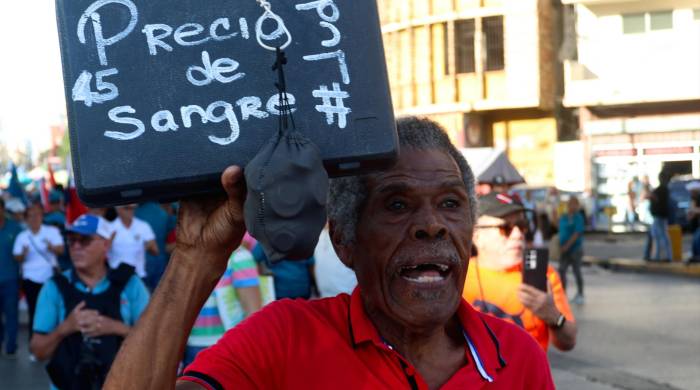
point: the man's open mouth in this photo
(425, 273)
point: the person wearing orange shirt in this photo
(494, 279)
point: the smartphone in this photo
(535, 262)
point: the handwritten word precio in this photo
(187, 34)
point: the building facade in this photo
(487, 70)
(632, 70)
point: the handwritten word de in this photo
(213, 71)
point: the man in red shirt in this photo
(406, 232)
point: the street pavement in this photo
(637, 331)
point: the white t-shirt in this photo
(332, 276)
(39, 263)
(129, 245)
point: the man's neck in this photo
(92, 276)
(35, 230)
(127, 222)
(493, 263)
(437, 353)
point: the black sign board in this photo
(162, 95)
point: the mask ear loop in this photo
(281, 84)
(283, 101)
(279, 31)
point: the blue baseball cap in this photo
(87, 225)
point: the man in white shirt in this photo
(332, 276)
(132, 238)
(36, 249)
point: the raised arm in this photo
(208, 229)
(152, 248)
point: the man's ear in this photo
(343, 251)
(476, 240)
(108, 243)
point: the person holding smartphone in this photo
(495, 277)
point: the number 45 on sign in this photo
(106, 91)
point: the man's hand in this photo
(87, 319)
(540, 303)
(72, 323)
(102, 325)
(212, 227)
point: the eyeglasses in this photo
(79, 239)
(507, 227)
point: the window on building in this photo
(493, 36)
(633, 23)
(464, 46)
(662, 20)
(649, 21)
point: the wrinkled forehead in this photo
(420, 167)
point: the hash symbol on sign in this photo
(332, 109)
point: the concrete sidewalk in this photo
(625, 252)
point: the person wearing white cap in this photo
(16, 209)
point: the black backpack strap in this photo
(71, 297)
(120, 276)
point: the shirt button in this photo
(410, 371)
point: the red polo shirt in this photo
(331, 343)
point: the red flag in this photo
(44, 194)
(74, 207)
(52, 181)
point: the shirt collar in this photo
(361, 327)
(483, 339)
(100, 287)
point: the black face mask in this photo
(285, 209)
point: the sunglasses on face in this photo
(507, 227)
(79, 239)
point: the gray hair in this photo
(347, 195)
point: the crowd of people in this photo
(86, 282)
(656, 209)
(391, 265)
